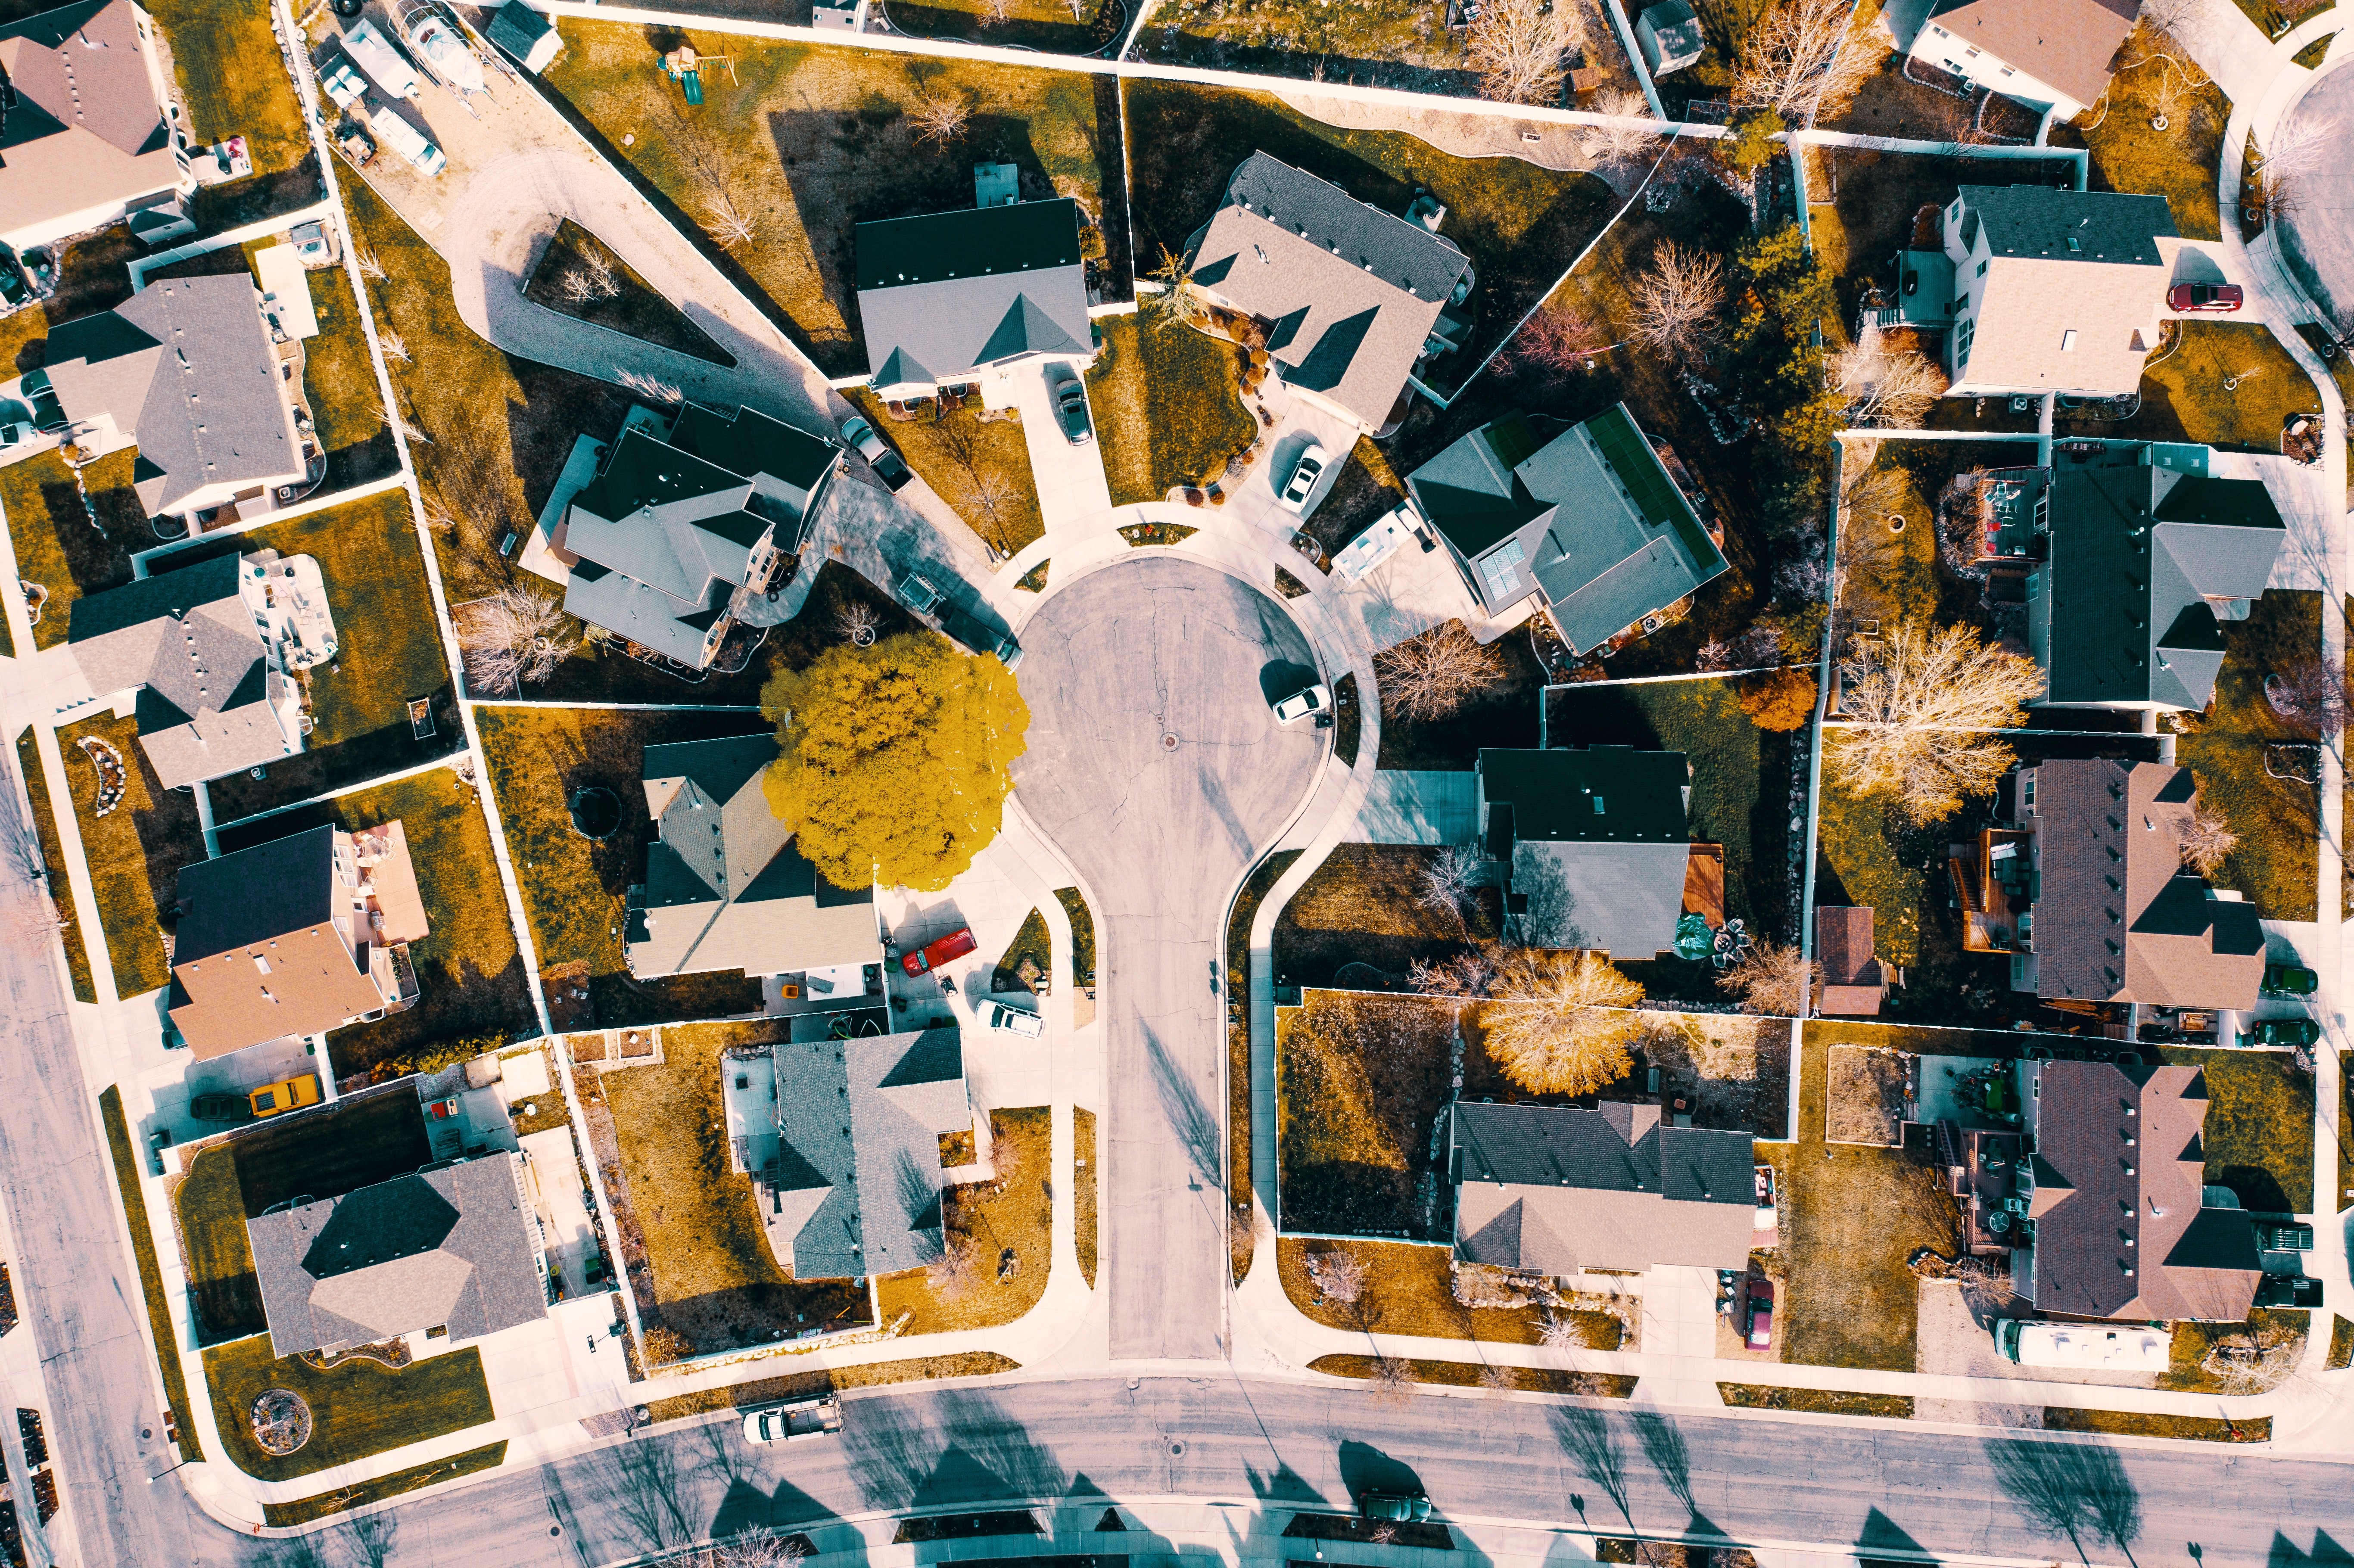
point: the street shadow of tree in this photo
(974, 1454)
(1671, 1458)
(1189, 1116)
(1589, 1442)
(2075, 1489)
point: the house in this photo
(527, 35)
(2049, 53)
(1352, 297)
(2085, 888)
(1586, 523)
(2054, 291)
(1553, 1190)
(1670, 36)
(2136, 565)
(85, 125)
(209, 649)
(1595, 846)
(2120, 1222)
(724, 887)
(849, 1144)
(675, 540)
(448, 1250)
(950, 297)
(1853, 981)
(190, 372)
(294, 938)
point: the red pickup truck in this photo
(955, 945)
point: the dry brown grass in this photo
(1408, 1290)
(1086, 1181)
(1867, 1096)
(1014, 1212)
(1361, 1080)
(1472, 1374)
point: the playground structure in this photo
(683, 65)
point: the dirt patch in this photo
(1867, 1095)
(1735, 1069)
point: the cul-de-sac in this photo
(1070, 783)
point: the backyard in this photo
(359, 1408)
(57, 545)
(571, 885)
(1013, 1214)
(1866, 201)
(231, 73)
(978, 462)
(1361, 1083)
(1167, 412)
(2235, 751)
(134, 851)
(1360, 920)
(1054, 27)
(2129, 154)
(811, 140)
(469, 970)
(716, 1285)
(1899, 574)
(1384, 43)
(61, 881)
(2220, 384)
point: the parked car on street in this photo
(1761, 1314)
(925, 959)
(1071, 405)
(1400, 1508)
(1293, 496)
(1315, 699)
(1013, 1020)
(2218, 297)
(291, 1094)
(221, 1107)
(791, 1422)
(2288, 1031)
(868, 444)
(2287, 980)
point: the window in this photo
(2034, 585)
(261, 963)
(2068, 341)
(2027, 781)
(1501, 571)
(1597, 805)
(1982, 266)
(1962, 336)
(1969, 54)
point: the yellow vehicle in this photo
(291, 1094)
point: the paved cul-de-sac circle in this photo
(1156, 766)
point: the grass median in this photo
(151, 1273)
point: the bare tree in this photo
(940, 117)
(727, 223)
(955, 1268)
(1498, 1380)
(1610, 143)
(1773, 980)
(2166, 19)
(368, 265)
(858, 621)
(1554, 340)
(1516, 45)
(1802, 61)
(511, 636)
(759, 1547)
(1339, 1273)
(1555, 1022)
(995, 11)
(1392, 1379)
(1917, 725)
(2309, 694)
(394, 346)
(1181, 302)
(1432, 675)
(1886, 383)
(653, 388)
(1676, 301)
(1465, 975)
(2207, 839)
(1446, 879)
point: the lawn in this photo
(303, 1510)
(1361, 1083)
(981, 466)
(1381, 43)
(1031, 945)
(2275, 862)
(364, 1139)
(1015, 1213)
(134, 851)
(1503, 713)
(1082, 935)
(2258, 1136)
(233, 79)
(1468, 1374)
(1167, 411)
(1852, 1218)
(1240, 1239)
(1086, 1176)
(2128, 154)
(1409, 1290)
(2186, 1428)
(716, 1282)
(150, 1272)
(469, 968)
(1362, 909)
(213, 1244)
(1898, 576)
(2281, 1332)
(60, 877)
(570, 886)
(2184, 397)
(339, 379)
(359, 1408)
(1520, 225)
(814, 139)
(57, 545)
(579, 276)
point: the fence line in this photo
(304, 508)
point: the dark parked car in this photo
(1071, 406)
(2287, 980)
(2295, 1291)
(863, 439)
(2216, 297)
(221, 1107)
(1402, 1508)
(2288, 1031)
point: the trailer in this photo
(2097, 1346)
(408, 141)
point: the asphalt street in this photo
(1157, 768)
(2320, 233)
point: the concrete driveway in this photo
(1071, 490)
(1158, 770)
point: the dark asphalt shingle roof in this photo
(1596, 842)
(250, 896)
(2071, 226)
(1611, 794)
(943, 294)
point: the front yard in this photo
(1409, 1290)
(2258, 1136)
(2130, 153)
(57, 545)
(537, 757)
(1503, 713)
(470, 969)
(1167, 411)
(2235, 751)
(2220, 384)
(1362, 909)
(1013, 1214)
(357, 1408)
(134, 851)
(1361, 1083)
(980, 466)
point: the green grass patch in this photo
(151, 1273)
(573, 890)
(60, 877)
(1167, 409)
(1082, 935)
(980, 466)
(359, 1408)
(1820, 1400)
(2221, 383)
(210, 1205)
(134, 853)
(234, 79)
(2258, 1136)
(338, 377)
(1473, 1374)
(469, 968)
(57, 545)
(1030, 944)
(304, 1511)
(2130, 155)
(2130, 1423)
(2278, 821)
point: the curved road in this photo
(2320, 234)
(1156, 769)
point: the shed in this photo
(526, 35)
(286, 291)
(1670, 36)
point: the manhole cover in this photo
(281, 1422)
(1168, 743)
(1176, 1449)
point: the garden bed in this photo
(579, 276)
(359, 1408)
(1014, 1213)
(134, 851)
(1168, 411)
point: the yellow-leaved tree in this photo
(896, 758)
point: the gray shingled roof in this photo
(250, 896)
(444, 1247)
(2071, 226)
(943, 294)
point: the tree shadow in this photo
(1189, 1114)
(1589, 1442)
(1663, 1446)
(2075, 1489)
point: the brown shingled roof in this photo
(2068, 43)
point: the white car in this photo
(1293, 497)
(1316, 699)
(790, 1422)
(1013, 1020)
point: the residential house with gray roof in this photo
(1595, 846)
(948, 298)
(85, 128)
(188, 371)
(451, 1248)
(677, 539)
(1553, 1190)
(2138, 560)
(2048, 54)
(724, 887)
(849, 1144)
(1351, 298)
(1587, 524)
